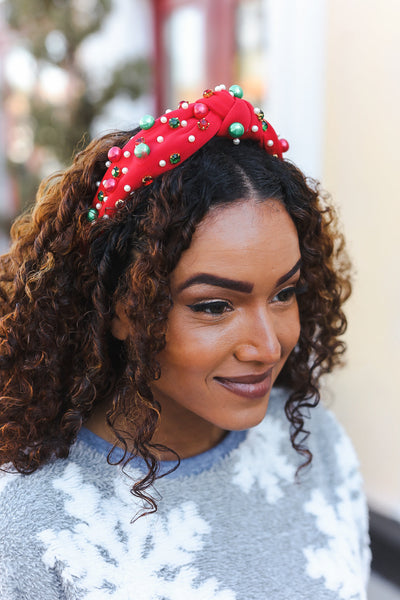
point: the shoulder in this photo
(34, 509)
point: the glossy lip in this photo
(248, 386)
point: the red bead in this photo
(200, 110)
(109, 184)
(208, 93)
(284, 145)
(114, 153)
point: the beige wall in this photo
(361, 168)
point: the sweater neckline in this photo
(188, 466)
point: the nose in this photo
(259, 340)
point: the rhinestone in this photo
(203, 124)
(174, 122)
(92, 214)
(147, 179)
(175, 158)
(119, 203)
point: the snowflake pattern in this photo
(155, 555)
(261, 460)
(338, 562)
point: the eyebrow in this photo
(231, 284)
(289, 274)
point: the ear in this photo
(120, 325)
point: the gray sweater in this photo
(232, 523)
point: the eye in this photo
(285, 295)
(213, 307)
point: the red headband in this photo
(175, 136)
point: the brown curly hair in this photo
(62, 276)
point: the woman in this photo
(144, 334)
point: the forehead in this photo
(235, 237)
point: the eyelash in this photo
(218, 307)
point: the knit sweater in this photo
(233, 523)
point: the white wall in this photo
(335, 93)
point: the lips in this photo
(248, 386)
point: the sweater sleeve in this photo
(23, 575)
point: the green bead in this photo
(174, 122)
(174, 159)
(141, 150)
(236, 130)
(100, 195)
(92, 214)
(236, 91)
(264, 125)
(116, 172)
(146, 122)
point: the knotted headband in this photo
(169, 140)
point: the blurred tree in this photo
(64, 102)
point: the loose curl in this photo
(60, 282)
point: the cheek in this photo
(290, 332)
(191, 348)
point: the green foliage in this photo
(59, 126)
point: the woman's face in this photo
(233, 324)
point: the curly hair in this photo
(61, 279)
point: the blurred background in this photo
(327, 75)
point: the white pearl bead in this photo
(184, 105)
(127, 188)
(168, 111)
(184, 123)
(163, 119)
(108, 164)
(217, 88)
(254, 128)
(257, 110)
(162, 163)
(98, 205)
(191, 138)
(106, 217)
(270, 143)
(127, 154)
(125, 170)
(236, 141)
(160, 139)
(98, 183)
(105, 198)
(222, 87)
